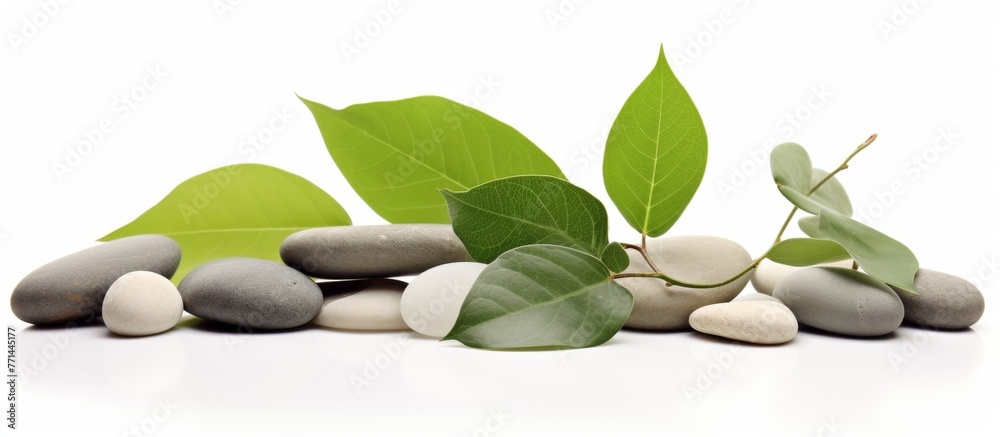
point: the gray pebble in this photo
(72, 288)
(944, 301)
(699, 259)
(250, 292)
(346, 252)
(841, 301)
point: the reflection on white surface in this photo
(403, 383)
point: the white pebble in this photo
(431, 302)
(363, 305)
(142, 303)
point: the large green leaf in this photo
(239, 210)
(795, 176)
(656, 152)
(879, 255)
(801, 252)
(542, 296)
(500, 215)
(397, 155)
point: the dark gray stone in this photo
(841, 301)
(347, 252)
(72, 288)
(696, 259)
(944, 301)
(250, 292)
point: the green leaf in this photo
(397, 155)
(879, 255)
(656, 152)
(802, 252)
(795, 176)
(500, 215)
(810, 225)
(831, 194)
(615, 258)
(542, 296)
(239, 210)
(791, 167)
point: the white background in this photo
(561, 72)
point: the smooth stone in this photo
(72, 288)
(142, 303)
(768, 273)
(697, 259)
(431, 302)
(841, 301)
(363, 305)
(944, 301)
(251, 293)
(348, 252)
(754, 318)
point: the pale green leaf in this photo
(397, 155)
(500, 215)
(240, 210)
(542, 296)
(802, 252)
(656, 152)
(615, 257)
(879, 255)
(831, 194)
(795, 176)
(791, 167)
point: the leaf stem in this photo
(645, 254)
(843, 165)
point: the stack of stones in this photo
(126, 282)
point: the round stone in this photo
(363, 305)
(768, 273)
(943, 301)
(841, 301)
(142, 303)
(756, 318)
(695, 259)
(349, 252)
(431, 302)
(72, 288)
(251, 293)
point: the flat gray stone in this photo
(252, 293)
(944, 301)
(698, 259)
(363, 305)
(841, 301)
(72, 288)
(756, 318)
(347, 252)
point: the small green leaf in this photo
(791, 167)
(795, 176)
(615, 258)
(879, 255)
(500, 215)
(239, 210)
(397, 155)
(542, 296)
(656, 152)
(831, 194)
(802, 252)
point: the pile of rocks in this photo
(126, 282)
